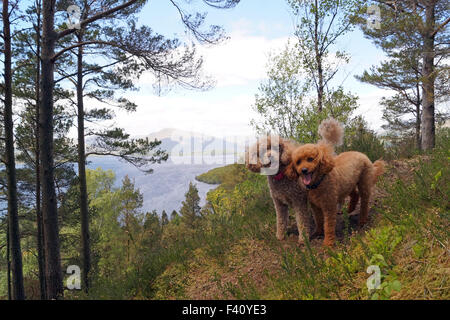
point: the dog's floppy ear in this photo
(326, 158)
(290, 172)
(285, 152)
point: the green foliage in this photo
(319, 26)
(312, 273)
(299, 94)
(285, 106)
(167, 262)
(190, 210)
(422, 200)
(337, 104)
(360, 138)
(227, 175)
(402, 34)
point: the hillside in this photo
(218, 175)
(238, 257)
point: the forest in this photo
(70, 232)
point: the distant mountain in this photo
(182, 143)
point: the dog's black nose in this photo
(304, 171)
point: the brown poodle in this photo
(271, 156)
(330, 179)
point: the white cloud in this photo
(235, 62)
(221, 117)
(241, 59)
(370, 109)
(238, 63)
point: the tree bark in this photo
(8, 261)
(428, 120)
(84, 207)
(54, 285)
(18, 292)
(418, 118)
(39, 222)
(418, 136)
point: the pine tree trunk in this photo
(18, 292)
(418, 137)
(428, 121)
(8, 261)
(39, 222)
(84, 207)
(54, 285)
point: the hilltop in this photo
(239, 258)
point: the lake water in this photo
(165, 188)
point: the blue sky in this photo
(255, 28)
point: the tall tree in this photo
(18, 292)
(319, 26)
(285, 106)
(49, 38)
(423, 24)
(402, 73)
(27, 92)
(49, 201)
(137, 50)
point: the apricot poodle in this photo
(329, 179)
(271, 156)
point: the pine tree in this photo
(422, 26)
(402, 74)
(164, 218)
(190, 209)
(50, 38)
(18, 292)
(131, 201)
(173, 215)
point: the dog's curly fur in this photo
(331, 179)
(285, 192)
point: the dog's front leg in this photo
(318, 221)
(303, 219)
(282, 218)
(329, 215)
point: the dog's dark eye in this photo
(310, 159)
(299, 161)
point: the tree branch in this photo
(443, 24)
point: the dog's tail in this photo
(331, 132)
(379, 167)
